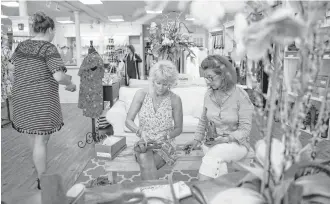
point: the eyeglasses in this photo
(210, 78)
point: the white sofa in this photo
(192, 102)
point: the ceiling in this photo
(132, 11)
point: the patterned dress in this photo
(157, 125)
(91, 73)
(36, 104)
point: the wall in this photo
(95, 32)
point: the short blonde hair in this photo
(221, 66)
(164, 70)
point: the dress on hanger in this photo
(91, 73)
(193, 63)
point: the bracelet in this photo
(138, 133)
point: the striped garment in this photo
(36, 104)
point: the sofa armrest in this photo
(116, 116)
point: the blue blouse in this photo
(232, 116)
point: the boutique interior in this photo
(85, 166)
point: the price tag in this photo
(103, 154)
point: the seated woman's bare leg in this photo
(147, 165)
(159, 161)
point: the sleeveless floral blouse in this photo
(157, 124)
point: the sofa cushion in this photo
(189, 123)
(127, 94)
(192, 97)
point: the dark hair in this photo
(131, 47)
(41, 22)
(221, 66)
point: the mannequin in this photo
(91, 73)
(91, 91)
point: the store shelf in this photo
(313, 97)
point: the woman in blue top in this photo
(228, 108)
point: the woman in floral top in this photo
(160, 116)
(228, 108)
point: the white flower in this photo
(233, 6)
(153, 25)
(207, 13)
(281, 27)
(166, 41)
(238, 196)
(240, 25)
(277, 156)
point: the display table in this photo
(111, 92)
(125, 161)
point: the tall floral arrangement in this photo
(169, 40)
(262, 30)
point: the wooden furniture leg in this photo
(112, 177)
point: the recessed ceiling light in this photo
(10, 4)
(4, 16)
(116, 18)
(64, 20)
(154, 12)
(91, 1)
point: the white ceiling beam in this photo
(89, 11)
(66, 5)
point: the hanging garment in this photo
(91, 73)
(131, 67)
(7, 77)
(149, 59)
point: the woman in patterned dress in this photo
(39, 70)
(160, 116)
